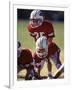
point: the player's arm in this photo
(51, 33)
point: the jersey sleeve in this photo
(51, 30)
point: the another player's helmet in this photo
(36, 18)
(18, 44)
(18, 49)
(42, 47)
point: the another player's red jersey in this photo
(46, 29)
(51, 50)
(25, 57)
(39, 62)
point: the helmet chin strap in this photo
(34, 26)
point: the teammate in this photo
(24, 61)
(40, 53)
(38, 27)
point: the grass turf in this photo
(28, 42)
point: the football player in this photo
(39, 27)
(45, 53)
(40, 53)
(24, 61)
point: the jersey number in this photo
(36, 35)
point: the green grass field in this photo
(28, 42)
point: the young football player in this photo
(24, 61)
(38, 27)
(45, 53)
(40, 53)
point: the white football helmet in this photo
(36, 18)
(42, 47)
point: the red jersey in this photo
(39, 62)
(25, 57)
(46, 29)
(36, 58)
(52, 48)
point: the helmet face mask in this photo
(41, 53)
(36, 18)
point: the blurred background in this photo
(50, 15)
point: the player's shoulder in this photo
(25, 57)
(26, 51)
(47, 22)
